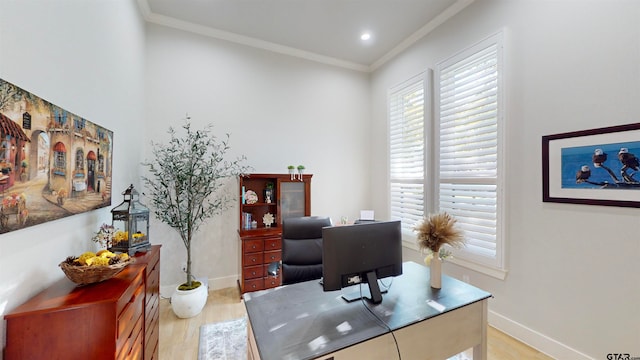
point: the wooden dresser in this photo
(113, 319)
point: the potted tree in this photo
(184, 181)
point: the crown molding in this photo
(163, 20)
(422, 32)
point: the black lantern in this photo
(131, 224)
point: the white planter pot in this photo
(189, 303)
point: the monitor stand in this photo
(373, 294)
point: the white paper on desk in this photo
(436, 305)
(366, 215)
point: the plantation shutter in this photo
(407, 152)
(468, 115)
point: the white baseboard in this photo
(214, 284)
(535, 339)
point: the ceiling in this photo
(327, 31)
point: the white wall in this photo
(279, 111)
(572, 286)
(573, 282)
(88, 59)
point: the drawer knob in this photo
(254, 259)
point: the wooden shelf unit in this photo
(262, 245)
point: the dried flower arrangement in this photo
(104, 236)
(438, 230)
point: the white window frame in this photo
(495, 267)
(415, 207)
(490, 265)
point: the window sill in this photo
(494, 272)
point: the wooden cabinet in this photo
(262, 245)
(113, 319)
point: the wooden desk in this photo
(301, 321)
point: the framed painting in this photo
(53, 163)
(594, 167)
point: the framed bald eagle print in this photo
(594, 167)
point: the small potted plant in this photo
(292, 171)
(185, 186)
(300, 171)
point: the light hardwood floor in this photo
(179, 337)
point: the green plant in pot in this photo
(184, 184)
(292, 171)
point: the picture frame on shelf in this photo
(593, 167)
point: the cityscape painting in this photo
(53, 163)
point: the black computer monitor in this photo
(353, 254)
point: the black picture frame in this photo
(607, 183)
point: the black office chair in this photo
(302, 248)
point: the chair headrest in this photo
(307, 227)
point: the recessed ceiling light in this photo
(365, 36)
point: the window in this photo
(59, 159)
(407, 152)
(79, 124)
(100, 164)
(465, 175)
(79, 159)
(468, 112)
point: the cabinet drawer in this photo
(132, 345)
(252, 259)
(271, 256)
(151, 348)
(272, 244)
(151, 339)
(253, 285)
(130, 294)
(151, 310)
(253, 272)
(130, 314)
(151, 325)
(153, 283)
(253, 246)
(272, 281)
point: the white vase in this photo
(436, 271)
(189, 303)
